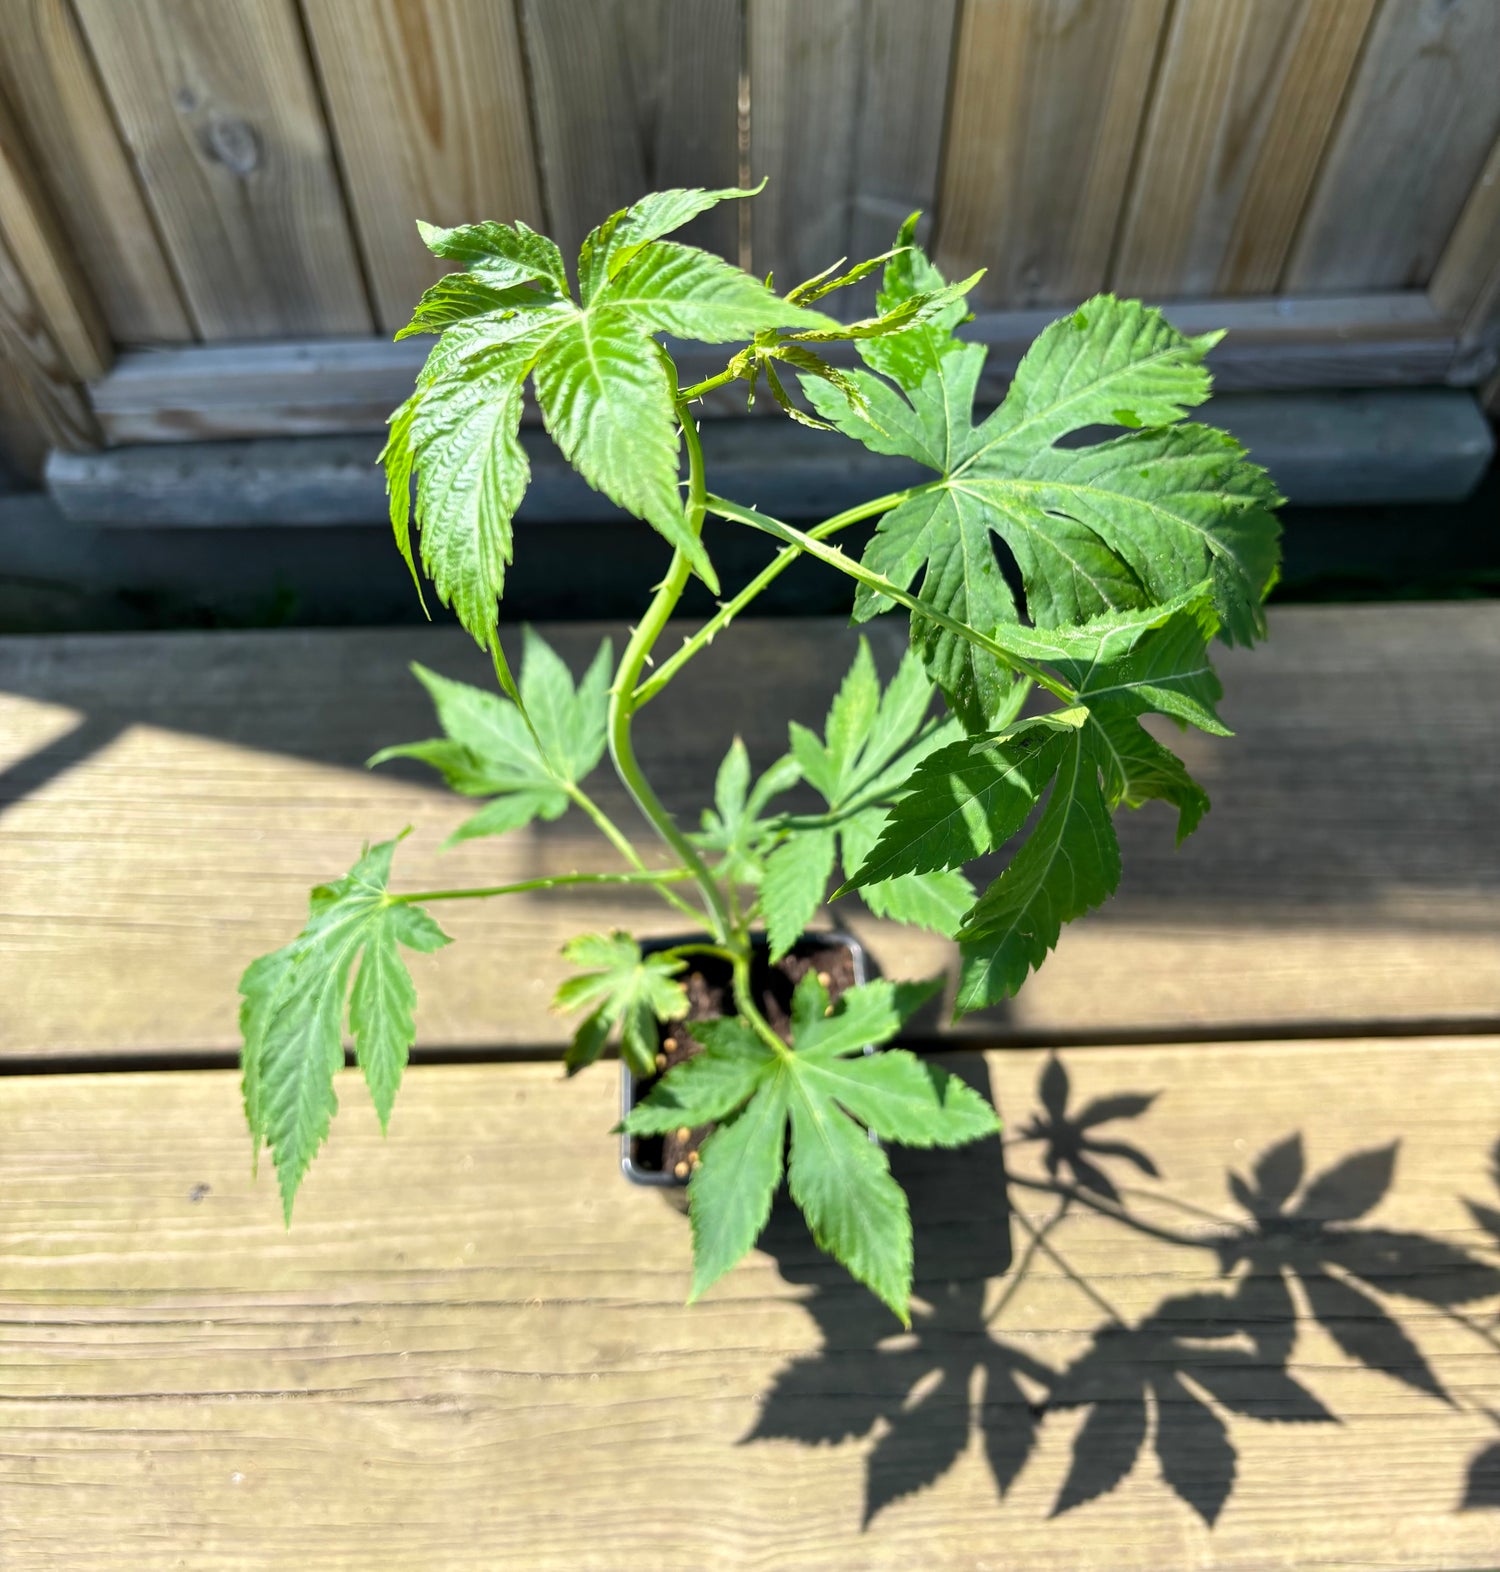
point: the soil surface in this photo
(710, 995)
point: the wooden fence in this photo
(177, 176)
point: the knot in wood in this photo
(234, 143)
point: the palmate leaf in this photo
(872, 743)
(736, 827)
(830, 1096)
(292, 1013)
(1093, 529)
(1069, 864)
(488, 750)
(602, 382)
(620, 988)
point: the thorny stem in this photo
(616, 837)
(548, 882)
(762, 581)
(698, 389)
(883, 586)
(622, 703)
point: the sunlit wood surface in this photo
(166, 802)
(1227, 1297)
(471, 1348)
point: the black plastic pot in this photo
(635, 1163)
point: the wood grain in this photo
(338, 385)
(906, 60)
(847, 107)
(217, 104)
(48, 325)
(40, 251)
(471, 1347)
(1421, 116)
(1466, 285)
(428, 107)
(46, 73)
(1245, 99)
(1397, 445)
(630, 96)
(805, 71)
(1347, 874)
(1048, 97)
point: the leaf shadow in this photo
(1177, 1381)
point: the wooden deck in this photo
(1232, 1349)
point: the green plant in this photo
(1133, 554)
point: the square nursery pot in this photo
(669, 1160)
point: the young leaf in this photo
(679, 289)
(608, 248)
(607, 405)
(872, 744)
(795, 882)
(569, 721)
(735, 826)
(502, 255)
(488, 749)
(1069, 864)
(625, 989)
(293, 1011)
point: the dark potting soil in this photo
(710, 992)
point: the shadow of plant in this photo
(1068, 1139)
(1175, 1378)
(1482, 1485)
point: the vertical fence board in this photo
(1421, 117)
(1047, 103)
(629, 95)
(50, 81)
(43, 258)
(1244, 104)
(41, 393)
(1466, 285)
(697, 120)
(903, 105)
(804, 65)
(427, 99)
(217, 102)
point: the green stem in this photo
(762, 581)
(616, 838)
(698, 389)
(548, 882)
(882, 585)
(679, 950)
(622, 696)
(744, 998)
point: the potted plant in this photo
(1130, 552)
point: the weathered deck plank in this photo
(470, 1349)
(166, 802)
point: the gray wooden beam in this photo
(1404, 445)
